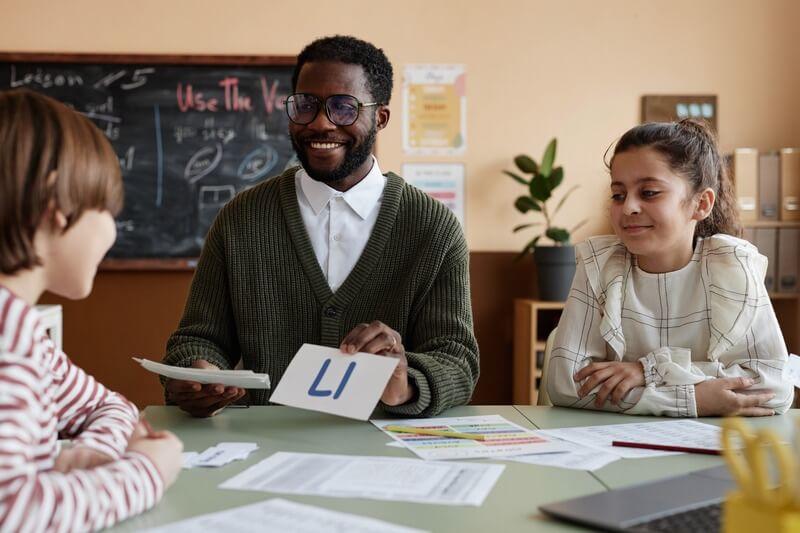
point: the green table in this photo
(511, 505)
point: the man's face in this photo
(331, 153)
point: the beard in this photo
(354, 157)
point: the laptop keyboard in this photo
(702, 519)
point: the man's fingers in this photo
(179, 385)
(358, 341)
(383, 341)
(351, 338)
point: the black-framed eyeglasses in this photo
(341, 109)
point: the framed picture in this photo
(667, 107)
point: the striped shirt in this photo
(43, 397)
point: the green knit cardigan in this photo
(259, 293)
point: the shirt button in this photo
(330, 312)
(337, 237)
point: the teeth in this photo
(324, 146)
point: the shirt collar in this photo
(361, 198)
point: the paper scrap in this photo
(375, 478)
(281, 516)
(791, 371)
(324, 379)
(246, 379)
(504, 438)
(687, 433)
(219, 455)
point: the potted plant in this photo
(555, 264)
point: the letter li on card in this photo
(324, 379)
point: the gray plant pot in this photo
(555, 268)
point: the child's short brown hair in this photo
(50, 156)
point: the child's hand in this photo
(80, 457)
(730, 397)
(617, 379)
(201, 400)
(164, 449)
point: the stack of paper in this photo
(219, 455)
(246, 379)
(376, 478)
(503, 438)
(281, 516)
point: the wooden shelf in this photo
(771, 224)
(531, 327)
(784, 295)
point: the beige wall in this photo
(574, 69)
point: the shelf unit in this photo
(533, 322)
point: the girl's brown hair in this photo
(50, 157)
(690, 149)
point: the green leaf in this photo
(526, 164)
(523, 226)
(539, 188)
(556, 177)
(564, 199)
(525, 204)
(516, 177)
(559, 235)
(548, 158)
(530, 246)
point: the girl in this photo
(670, 316)
(60, 185)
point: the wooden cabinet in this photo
(533, 322)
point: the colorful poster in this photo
(434, 110)
(443, 181)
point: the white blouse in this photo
(712, 318)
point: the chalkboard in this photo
(190, 133)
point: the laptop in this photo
(682, 503)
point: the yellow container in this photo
(746, 515)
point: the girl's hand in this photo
(164, 449)
(617, 379)
(80, 457)
(730, 397)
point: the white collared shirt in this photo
(339, 223)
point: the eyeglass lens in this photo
(341, 109)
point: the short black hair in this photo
(349, 50)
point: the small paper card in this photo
(791, 371)
(324, 379)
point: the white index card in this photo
(324, 379)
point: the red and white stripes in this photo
(43, 396)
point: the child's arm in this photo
(578, 343)
(760, 355)
(33, 498)
(89, 413)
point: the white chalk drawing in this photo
(203, 162)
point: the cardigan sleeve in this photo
(207, 329)
(443, 359)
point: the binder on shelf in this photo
(744, 172)
(766, 240)
(769, 183)
(788, 258)
(790, 184)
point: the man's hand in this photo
(378, 338)
(80, 457)
(201, 400)
(617, 379)
(730, 397)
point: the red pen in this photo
(665, 447)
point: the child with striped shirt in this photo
(60, 186)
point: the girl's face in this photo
(71, 258)
(652, 210)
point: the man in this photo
(333, 253)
